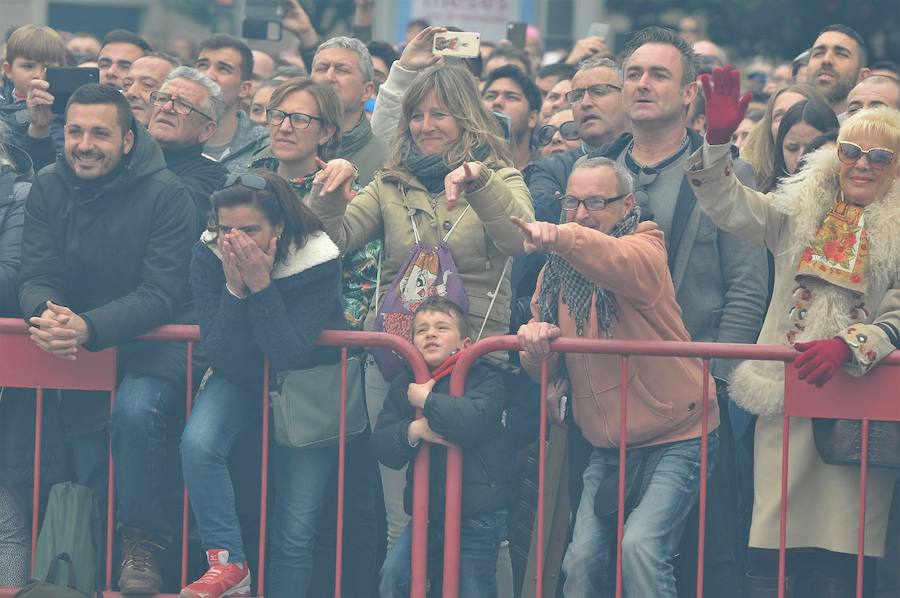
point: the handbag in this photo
(306, 405)
(48, 588)
(839, 442)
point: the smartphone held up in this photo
(458, 44)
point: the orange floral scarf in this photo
(839, 254)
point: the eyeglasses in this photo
(179, 106)
(593, 204)
(299, 120)
(567, 130)
(879, 157)
(247, 179)
(596, 91)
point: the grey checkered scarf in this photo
(577, 290)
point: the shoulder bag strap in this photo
(494, 297)
(453, 228)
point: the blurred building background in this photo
(769, 28)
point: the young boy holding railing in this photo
(474, 421)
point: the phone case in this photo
(460, 44)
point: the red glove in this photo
(821, 359)
(725, 107)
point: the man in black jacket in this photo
(106, 248)
(185, 115)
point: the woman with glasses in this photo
(832, 229)
(449, 175)
(560, 134)
(266, 282)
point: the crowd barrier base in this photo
(24, 365)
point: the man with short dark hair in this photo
(501, 56)
(229, 62)
(510, 91)
(720, 280)
(551, 74)
(837, 62)
(120, 49)
(106, 248)
(144, 77)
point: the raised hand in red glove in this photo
(725, 106)
(821, 359)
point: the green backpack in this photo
(71, 526)
(48, 588)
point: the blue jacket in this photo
(15, 182)
(281, 322)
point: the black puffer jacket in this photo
(474, 421)
(15, 182)
(114, 250)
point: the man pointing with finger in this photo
(607, 276)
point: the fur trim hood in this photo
(319, 248)
(805, 199)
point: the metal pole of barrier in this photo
(419, 558)
(185, 505)
(704, 457)
(863, 481)
(342, 456)
(542, 466)
(782, 526)
(623, 445)
(263, 485)
(452, 520)
(36, 484)
(110, 503)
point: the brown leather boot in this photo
(767, 587)
(141, 571)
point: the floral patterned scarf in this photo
(839, 253)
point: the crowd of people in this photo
(357, 185)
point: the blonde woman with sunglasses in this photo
(832, 228)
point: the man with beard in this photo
(105, 254)
(837, 62)
(144, 77)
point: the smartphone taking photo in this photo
(64, 80)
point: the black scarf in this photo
(431, 169)
(577, 289)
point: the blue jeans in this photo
(480, 538)
(221, 413)
(652, 530)
(138, 428)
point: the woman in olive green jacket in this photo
(448, 153)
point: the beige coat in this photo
(822, 499)
(480, 244)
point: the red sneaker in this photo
(222, 579)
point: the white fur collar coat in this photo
(786, 221)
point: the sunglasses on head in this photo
(247, 179)
(568, 130)
(879, 157)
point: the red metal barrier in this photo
(870, 402)
(24, 365)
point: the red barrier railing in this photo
(873, 399)
(24, 365)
